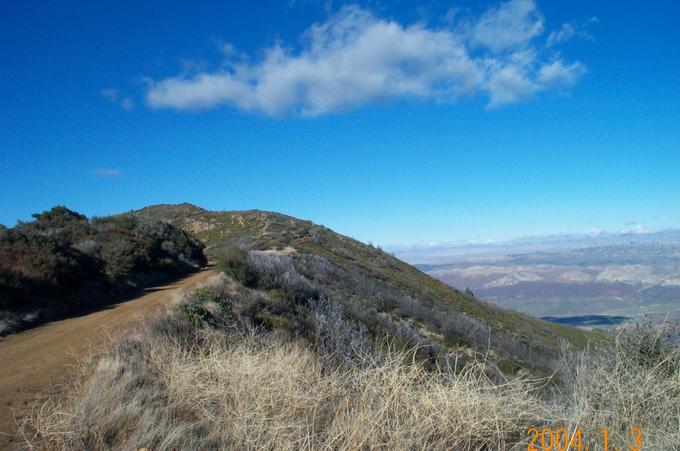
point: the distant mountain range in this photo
(599, 274)
(438, 253)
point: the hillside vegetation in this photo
(203, 376)
(62, 261)
(296, 262)
(311, 340)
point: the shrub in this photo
(62, 259)
(274, 271)
(341, 340)
(206, 306)
(32, 263)
(233, 261)
(633, 384)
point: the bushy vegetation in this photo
(380, 292)
(635, 383)
(62, 259)
(298, 283)
(204, 375)
(312, 340)
(233, 261)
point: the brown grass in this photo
(262, 393)
(173, 385)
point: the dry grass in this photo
(261, 393)
(634, 384)
(174, 385)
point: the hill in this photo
(381, 293)
(311, 340)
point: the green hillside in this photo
(380, 292)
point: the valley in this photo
(633, 276)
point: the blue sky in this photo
(386, 121)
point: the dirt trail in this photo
(36, 361)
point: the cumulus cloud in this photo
(356, 58)
(559, 74)
(116, 97)
(509, 25)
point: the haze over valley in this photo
(618, 274)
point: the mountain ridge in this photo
(386, 294)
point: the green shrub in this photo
(61, 254)
(233, 261)
(206, 306)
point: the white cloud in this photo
(595, 231)
(355, 58)
(509, 84)
(569, 31)
(634, 227)
(107, 172)
(637, 229)
(564, 34)
(556, 73)
(116, 97)
(511, 24)
(227, 48)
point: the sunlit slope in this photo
(388, 295)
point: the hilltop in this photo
(383, 294)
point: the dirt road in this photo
(38, 360)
